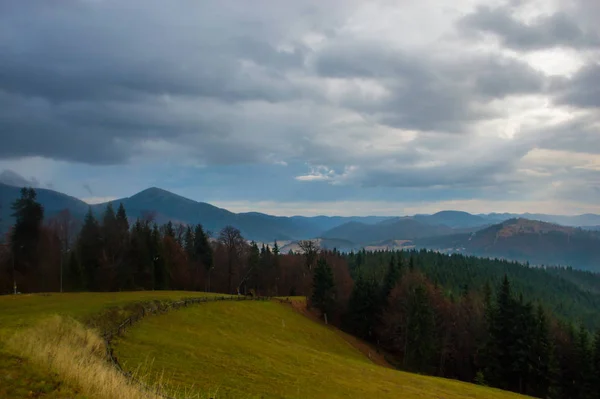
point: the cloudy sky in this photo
(307, 106)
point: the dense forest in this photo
(488, 321)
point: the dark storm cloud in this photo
(557, 30)
(226, 83)
(84, 82)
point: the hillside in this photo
(392, 229)
(527, 240)
(53, 203)
(267, 350)
(454, 219)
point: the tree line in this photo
(487, 321)
(108, 252)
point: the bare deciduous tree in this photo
(311, 250)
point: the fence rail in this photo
(157, 308)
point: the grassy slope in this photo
(19, 377)
(266, 350)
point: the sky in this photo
(307, 107)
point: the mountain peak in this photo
(158, 194)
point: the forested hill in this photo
(526, 240)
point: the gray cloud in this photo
(428, 93)
(557, 30)
(224, 83)
(582, 90)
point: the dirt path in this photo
(365, 348)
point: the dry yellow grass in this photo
(77, 354)
(45, 352)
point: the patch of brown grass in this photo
(77, 354)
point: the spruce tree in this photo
(499, 356)
(420, 332)
(124, 267)
(596, 363)
(542, 356)
(323, 290)
(585, 360)
(89, 246)
(363, 308)
(25, 235)
(254, 260)
(391, 279)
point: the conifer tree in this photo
(419, 332)
(391, 279)
(596, 363)
(25, 235)
(89, 247)
(323, 290)
(254, 261)
(585, 377)
(542, 356)
(189, 242)
(363, 308)
(124, 268)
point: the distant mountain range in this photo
(525, 240)
(165, 206)
(549, 239)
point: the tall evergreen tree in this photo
(500, 358)
(124, 268)
(391, 279)
(89, 248)
(25, 235)
(542, 356)
(323, 290)
(363, 308)
(585, 378)
(596, 363)
(420, 332)
(203, 252)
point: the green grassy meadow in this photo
(22, 378)
(267, 350)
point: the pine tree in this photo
(189, 242)
(420, 332)
(499, 356)
(25, 235)
(202, 252)
(124, 268)
(585, 361)
(254, 260)
(110, 246)
(89, 246)
(323, 290)
(391, 279)
(542, 354)
(596, 363)
(363, 308)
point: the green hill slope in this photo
(267, 350)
